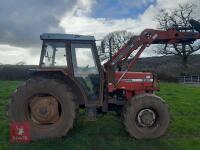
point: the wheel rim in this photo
(146, 118)
(44, 110)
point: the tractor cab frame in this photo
(76, 57)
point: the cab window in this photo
(85, 69)
(54, 55)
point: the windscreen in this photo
(54, 55)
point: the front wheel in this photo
(146, 116)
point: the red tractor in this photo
(70, 76)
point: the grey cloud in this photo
(22, 21)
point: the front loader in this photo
(70, 76)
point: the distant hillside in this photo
(166, 67)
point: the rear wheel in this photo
(146, 116)
(48, 106)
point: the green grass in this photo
(108, 132)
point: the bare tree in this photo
(176, 18)
(112, 42)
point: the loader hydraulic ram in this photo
(70, 76)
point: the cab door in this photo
(87, 71)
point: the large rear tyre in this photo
(146, 116)
(47, 105)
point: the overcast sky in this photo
(22, 21)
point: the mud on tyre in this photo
(146, 116)
(48, 106)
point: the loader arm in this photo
(145, 39)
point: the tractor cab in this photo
(77, 55)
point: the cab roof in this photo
(72, 37)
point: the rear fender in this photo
(67, 77)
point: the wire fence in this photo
(194, 79)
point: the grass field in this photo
(108, 132)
